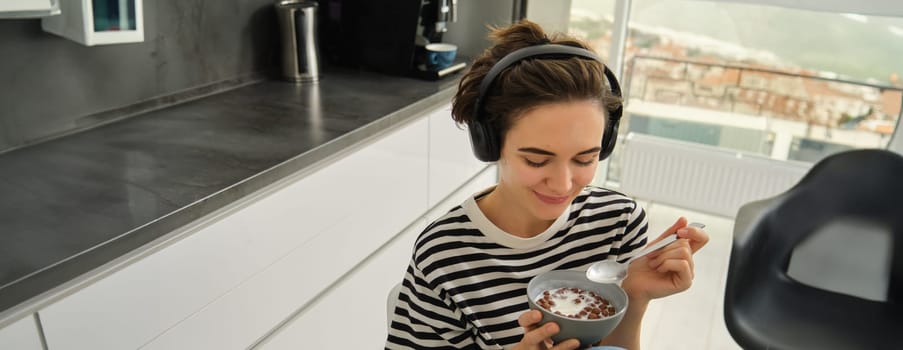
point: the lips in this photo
(551, 199)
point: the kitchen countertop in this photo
(75, 203)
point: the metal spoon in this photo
(610, 271)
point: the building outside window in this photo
(789, 84)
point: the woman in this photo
(546, 115)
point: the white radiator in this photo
(700, 177)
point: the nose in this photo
(560, 180)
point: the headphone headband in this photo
(544, 51)
(484, 138)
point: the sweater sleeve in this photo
(635, 235)
(425, 319)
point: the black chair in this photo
(765, 307)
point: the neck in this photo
(511, 217)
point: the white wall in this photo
(470, 32)
(552, 15)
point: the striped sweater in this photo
(466, 283)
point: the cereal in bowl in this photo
(575, 303)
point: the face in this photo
(550, 153)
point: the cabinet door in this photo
(452, 161)
(98, 22)
(21, 335)
(358, 302)
(353, 313)
(240, 272)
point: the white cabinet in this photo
(29, 8)
(239, 273)
(98, 22)
(353, 314)
(381, 191)
(21, 335)
(452, 161)
(228, 279)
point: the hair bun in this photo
(541, 84)
(521, 34)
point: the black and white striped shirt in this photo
(466, 284)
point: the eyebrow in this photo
(541, 151)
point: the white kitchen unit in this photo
(324, 221)
(21, 335)
(98, 22)
(378, 191)
(356, 303)
(29, 8)
(353, 313)
(229, 279)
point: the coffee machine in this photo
(387, 36)
(434, 18)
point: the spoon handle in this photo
(657, 245)
(664, 242)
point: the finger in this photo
(681, 222)
(567, 345)
(679, 250)
(682, 275)
(539, 335)
(678, 244)
(529, 319)
(697, 237)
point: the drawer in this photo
(364, 291)
(21, 335)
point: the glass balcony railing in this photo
(786, 115)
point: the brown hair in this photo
(529, 83)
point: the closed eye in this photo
(536, 164)
(585, 163)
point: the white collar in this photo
(498, 235)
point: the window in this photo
(114, 15)
(592, 20)
(789, 84)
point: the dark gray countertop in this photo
(72, 204)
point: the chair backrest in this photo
(765, 307)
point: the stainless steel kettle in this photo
(300, 51)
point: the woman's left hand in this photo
(668, 270)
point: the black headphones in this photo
(485, 139)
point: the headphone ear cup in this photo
(610, 138)
(483, 141)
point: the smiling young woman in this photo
(546, 110)
(549, 155)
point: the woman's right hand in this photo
(540, 338)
